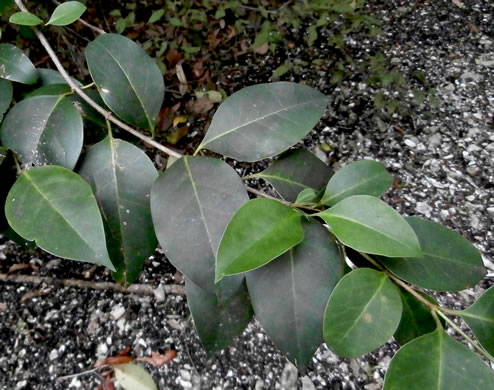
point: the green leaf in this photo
(436, 362)
(260, 231)
(296, 171)
(308, 196)
(156, 15)
(263, 120)
(56, 208)
(289, 298)
(132, 376)
(67, 13)
(416, 319)
(449, 263)
(44, 130)
(363, 312)
(128, 80)
(50, 76)
(480, 318)
(6, 94)
(15, 66)
(121, 176)
(220, 314)
(25, 19)
(369, 225)
(192, 202)
(281, 70)
(359, 178)
(49, 90)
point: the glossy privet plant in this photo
(326, 261)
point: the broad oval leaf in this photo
(480, 318)
(296, 171)
(363, 312)
(121, 176)
(6, 93)
(359, 178)
(16, 66)
(449, 263)
(439, 363)
(133, 376)
(367, 224)
(49, 90)
(50, 76)
(128, 80)
(56, 207)
(192, 202)
(263, 120)
(25, 19)
(67, 13)
(308, 196)
(260, 231)
(44, 130)
(220, 314)
(416, 319)
(293, 315)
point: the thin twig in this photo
(467, 337)
(107, 114)
(138, 289)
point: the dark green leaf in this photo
(308, 196)
(25, 19)
(359, 178)
(449, 263)
(156, 15)
(367, 224)
(191, 204)
(416, 319)
(49, 90)
(121, 176)
(56, 208)
(49, 76)
(67, 13)
(88, 112)
(15, 66)
(44, 130)
(363, 312)
(281, 70)
(6, 93)
(436, 362)
(264, 120)
(219, 315)
(128, 80)
(480, 318)
(289, 297)
(295, 171)
(260, 231)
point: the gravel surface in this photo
(441, 156)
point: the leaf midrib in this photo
(130, 83)
(253, 121)
(370, 228)
(281, 178)
(38, 189)
(371, 299)
(359, 184)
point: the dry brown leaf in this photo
(34, 294)
(263, 49)
(157, 360)
(177, 134)
(202, 105)
(20, 267)
(113, 360)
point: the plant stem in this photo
(107, 114)
(88, 85)
(481, 350)
(371, 260)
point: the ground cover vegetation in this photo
(326, 261)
